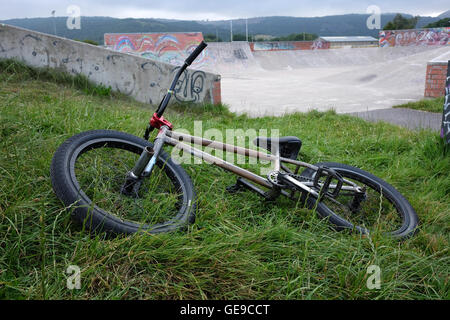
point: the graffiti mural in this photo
(190, 85)
(272, 46)
(171, 48)
(445, 131)
(320, 44)
(415, 37)
(289, 45)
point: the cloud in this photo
(213, 9)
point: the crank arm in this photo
(306, 186)
(354, 188)
(300, 185)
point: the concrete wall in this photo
(415, 37)
(144, 79)
(353, 44)
(288, 45)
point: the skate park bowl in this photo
(277, 81)
(346, 80)
(255, 82)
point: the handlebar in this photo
(166, 99)
(195, 53)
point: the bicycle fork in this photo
(144, 166)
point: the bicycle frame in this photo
(173, 138)
(148, 158)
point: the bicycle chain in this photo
(295, 176)
(298, 177)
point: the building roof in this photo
(349, 39)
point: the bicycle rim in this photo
(376, 211)
(100, 171)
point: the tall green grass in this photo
(20, 71)
(240, 247)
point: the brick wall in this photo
(435, 79)
(217, 92)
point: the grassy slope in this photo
(430, 105)
(239, 247)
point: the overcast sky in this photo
(214, 9)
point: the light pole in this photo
(54, 22)
(246, 28)
(231, 30)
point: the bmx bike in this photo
(118, 183)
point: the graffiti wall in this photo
(416, 37)
(445, 131)
(289, 45)
(171, 48)
(143, 79)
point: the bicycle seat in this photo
(289, 146)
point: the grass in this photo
(240, 247)
(19, 71)
(431, 105)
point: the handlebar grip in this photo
(195, 53)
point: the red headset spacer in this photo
(157, 122)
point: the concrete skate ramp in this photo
(229, 58)
(346, 80)
(286, 60)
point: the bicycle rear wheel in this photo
(88, 172)
(382, 208)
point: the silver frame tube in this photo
(172, 138)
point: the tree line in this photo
(401, 23)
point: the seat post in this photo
(275, 150)
(288, 147)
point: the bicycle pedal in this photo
(329, 175)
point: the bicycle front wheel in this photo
(89, 170)
(381, 208)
